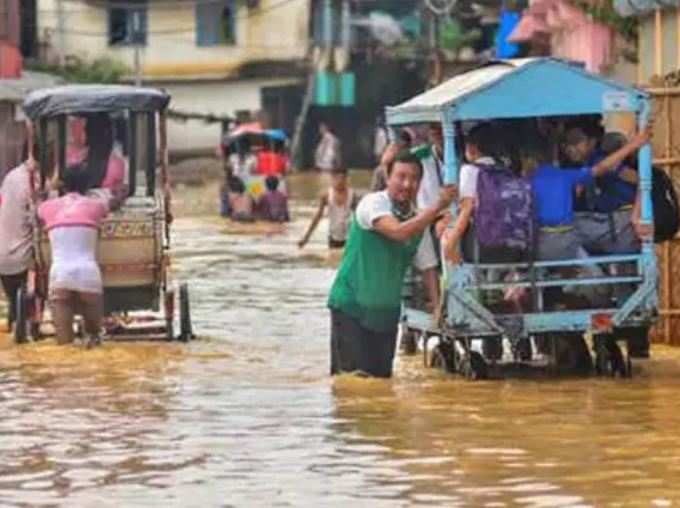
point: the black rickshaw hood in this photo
(83, 99)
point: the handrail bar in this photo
(560, 282)
(593, 260)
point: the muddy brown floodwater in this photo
(247, 416)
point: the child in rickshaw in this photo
(552, 191)
(241, 204)
(273, 206)
(482, 153)
(272, 160)
(604, 220)
(75, 282)
(341, 201)
(91, 143)
(241, 161)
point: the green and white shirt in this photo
(369, 281)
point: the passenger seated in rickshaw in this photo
(553, 199)
(241, 205)
(273, 206)
(272, 160)
(76, 146)
(551, 192)
(75, 282)
(91, 141)
(483, 153)
(604, 219)
(241, 161)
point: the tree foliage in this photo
(76, 70)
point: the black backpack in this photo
(665, 206)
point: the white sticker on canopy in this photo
(616, 101)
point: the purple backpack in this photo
(504, 211)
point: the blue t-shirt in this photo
(611, 193)
(553, 191)
(606, 193)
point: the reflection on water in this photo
(247, 416)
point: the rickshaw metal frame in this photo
(530, 88)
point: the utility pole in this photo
(61, 36)
(136, 37)
(328, 24)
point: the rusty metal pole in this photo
(667, 289)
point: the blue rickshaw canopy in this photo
(518, 88)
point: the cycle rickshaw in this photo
(517, 90)
(141, 301)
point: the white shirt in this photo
(376, 205)
(430, 183)
(380, 142)
(243, 167)
(74, 264)
(468, 177)
(16, 238)
(327, 156)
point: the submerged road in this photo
(246, 415)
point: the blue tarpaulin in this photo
(507, 23)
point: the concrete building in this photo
(14, 85)
(216, 57)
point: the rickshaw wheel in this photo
(441, 358)
(409, 341)
(474, 367)
(609, 360)
(572, 354)
(185, 329)
(169, 300)
(35, 331)
(21, 317)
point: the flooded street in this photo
(247, 415)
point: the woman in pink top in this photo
(106, 169)
(75, 280)
(91, 141)
(76, 148)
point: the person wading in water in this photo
(365, 299)
(341, 201)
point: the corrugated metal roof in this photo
(638, 7)
(15, 90)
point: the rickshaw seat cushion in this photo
(141, 203)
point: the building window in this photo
(215, 23)
(127, 24)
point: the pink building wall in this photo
(10, 57)
(572, 34)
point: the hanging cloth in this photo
(507, 22)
